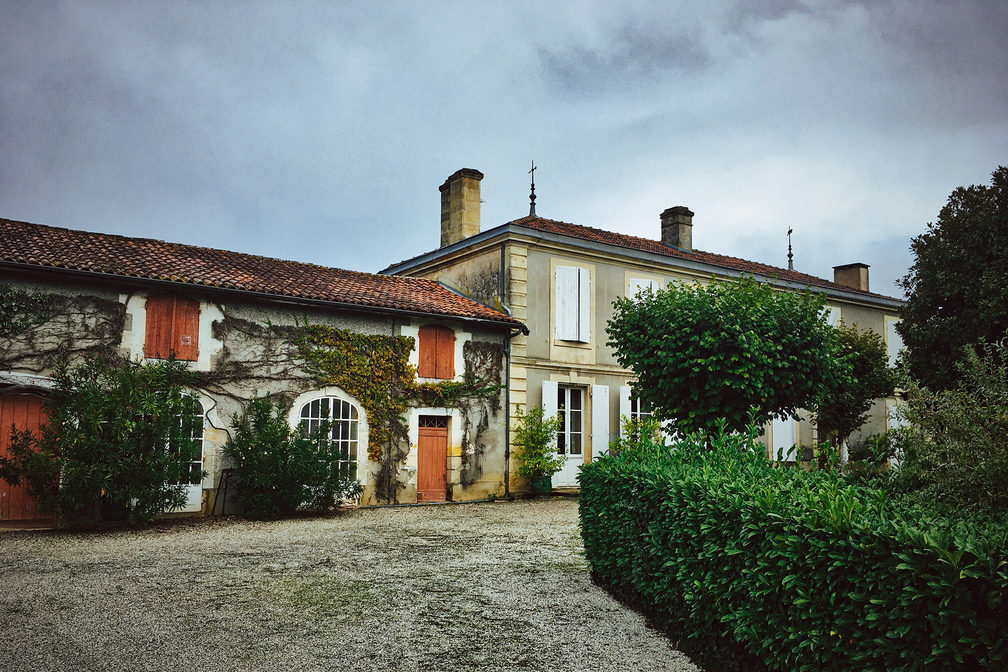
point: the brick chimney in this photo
(677, 227)
(854, 276)
(460, 206)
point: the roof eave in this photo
(142, 282)
(702, 267)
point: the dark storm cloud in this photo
(321, 131)
(635, 54)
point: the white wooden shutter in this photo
(584, 305)
(784, 437)
(600, 419)
(624, 405)
(894, 342)
(567, 303)
(549, 401)
(833, 318)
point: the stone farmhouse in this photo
(236, 318)
(561, 279)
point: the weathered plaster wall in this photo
(241, 357)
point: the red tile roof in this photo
(657, 247)
(144, 258)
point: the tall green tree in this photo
(119, 440)
(844, 410)
(705, 353)
(957, 287)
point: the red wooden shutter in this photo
(23, 412)
(428, 351)
(158, 341)
(445, 353)
(186, 329)
(172, 326)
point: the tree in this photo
(534, 435)
(844, 410)
(957, 287)
(281, 469)
(955, 441)
(118, 441)
(704, 353)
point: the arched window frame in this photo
(337, 394)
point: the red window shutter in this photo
(186, 329)
(428, 351)
(172, 327)
(445, 353)
(158, 340)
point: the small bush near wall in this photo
(117, 443)
(280, 471)
(751, 567)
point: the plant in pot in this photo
(534, 435)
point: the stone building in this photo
(236, 318)
(561, 279)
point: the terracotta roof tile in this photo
(657, 247)
(111, 255)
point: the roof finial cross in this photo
(532, 196)
(790, 263)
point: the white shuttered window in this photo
(640, 285)
(573, 304)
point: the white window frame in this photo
(637, 286)
(343, 430)
(566, 431)
(573, 304)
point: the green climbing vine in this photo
(20, 309)
(375, 369)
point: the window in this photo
(639, 286)
(573, 304)
(192, 427)
(172, 328)
(639, 409)
(570, 438)
(343, 419)
(437, 352)
(894, 342)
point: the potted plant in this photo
(534, 436)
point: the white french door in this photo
(570, 438)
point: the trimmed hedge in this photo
(748, 566)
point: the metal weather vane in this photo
(532, 212)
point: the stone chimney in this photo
(460, 206)
(854, 276)
(677, 227)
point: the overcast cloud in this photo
(321, 132)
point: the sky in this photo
(320, 132)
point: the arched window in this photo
(343, 419)
(192, 427)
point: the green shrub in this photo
(955, 444)
(751, 567)
(117, 442)
(279, 470)
(534, 435)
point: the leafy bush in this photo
(117, 442)
(708, 354)
(752, 567)
(956, 443)
(534, 434)
(279, 470)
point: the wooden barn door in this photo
(432, 459)
(16, 507)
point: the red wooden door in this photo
(432, 459)
(16, 507)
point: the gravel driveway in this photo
(484, 587)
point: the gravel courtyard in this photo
(499, 586)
